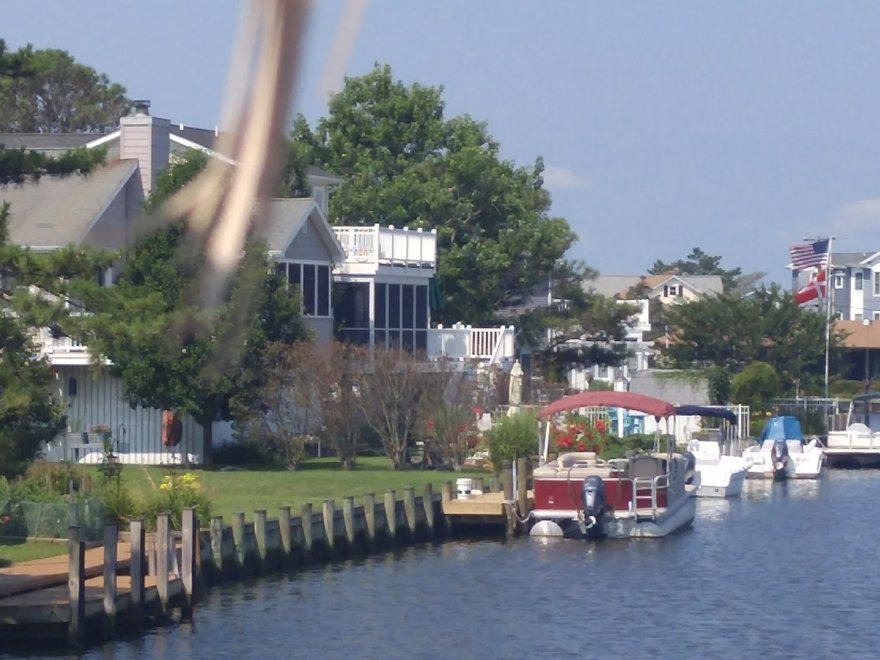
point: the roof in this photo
(707, 411)
(619, 285)
(285, 219)
(56, 211)
(46, 142)
(610, 399)
(859, 333)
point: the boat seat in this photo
(645, 466)
(577, 459)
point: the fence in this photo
(51, 520)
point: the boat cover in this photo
(706, 411)
(786, 427)
(611, 399)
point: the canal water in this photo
(790, 570)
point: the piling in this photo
(447, 492)
(522, 487)
(306, 515)
(428, 503)
(284, 530)
(391, 513)
(76, 586)
(189, 523)
(370, 517)
(111, 538)
(348, 519)
(137, 567)
(329, 535)
(260, 535)
(238, 538)
(409, 510)
(217, 543)
(163, 539)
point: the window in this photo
(671, 290)
(857, 317)
(858, 281)
(313, 282)
(877, 282)
(875, 316)
(838, 280)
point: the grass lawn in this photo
(12, 551)
(314, 481)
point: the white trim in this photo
(200, 147)
(104, 139)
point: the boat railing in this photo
(646, 491)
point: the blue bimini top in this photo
(782, 428)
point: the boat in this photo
(781, 453)
(579, 495)
(857, 445)
(715, 475)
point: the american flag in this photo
(809, 255)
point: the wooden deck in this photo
(488, 508)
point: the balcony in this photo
(463, 342)
(62, 351)
(374, 250)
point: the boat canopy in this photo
(707, 411)
(611, 399)
(868, 396)
(786, 427)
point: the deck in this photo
(486, 509)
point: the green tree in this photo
(405, 164)
(700, 263)
(755, 386)
(47, 91)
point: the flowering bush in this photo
(176, 492)
(576, 433)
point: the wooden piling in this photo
(188, 558)
(238, 538)
(522, 487)
(409, 509)
(137, 568)
(507, 479)
(284, 530)
(495, 484)
(163, 540)
(217, 543)
(428, 503)
(111, 538)
(260, 534)
(329, 535)
(391, 513)
(348, 519)
(306, 515)
(447, 494)
(76, 586)
(370, 516)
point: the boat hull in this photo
(728, 485)
(852, 459)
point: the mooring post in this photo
(188, 558)
(284, 530)
(76, 585)
(409, 509)
(348, 519)
(306, 515)
(111, 538)
(260, 534)
(522, 487)
(495, 484)
(428, 503)
(391, 513)
(329, 512)
(447, 494)
(163, 539)
(478, 483)
(238, 537)
(217, 543)
(507, 480)
(137, 567)
(370, 516)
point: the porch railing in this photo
(463, 342)
(389, 246)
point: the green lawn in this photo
(12, 551)
(316, 480)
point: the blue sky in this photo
(736, 127)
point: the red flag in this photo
(811, 291)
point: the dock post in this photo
(478, 483)
(446, 495)
(507, 479)
(409, 509)
(329, 536)
(306, 515)
(76, 586)
(428, 503)
(217, 543)
(495, 484)
(260, 535)
(391, 513)
(111, 538)
(284, 530)
(163, 538)
(348, 518)
(522, 487)
(238, 538)
(370, 516)
(137, 568)
(188, 558)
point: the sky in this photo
(738, 127)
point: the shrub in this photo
(176, 492)
(512, 437)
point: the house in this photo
(855, 285)
(381, 277)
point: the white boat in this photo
(782, 454)
(578, 495)
(857, 445)
(715, 475)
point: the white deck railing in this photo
(57, 346)
(463, 342)
(388, 246)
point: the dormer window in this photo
(672, 290)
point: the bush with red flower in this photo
(578, 433)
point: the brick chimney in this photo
(146, 139)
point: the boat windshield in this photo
(782, 428)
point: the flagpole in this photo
(829, 292)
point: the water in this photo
(788, 571)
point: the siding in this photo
(308, 245)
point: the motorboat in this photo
(715, 475)
(579, 495)
(857, 445)
(782, 454)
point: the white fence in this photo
(388, 246)
(463, 342)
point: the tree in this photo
(172, 353)
(47, 91)
(405, 165)
(700, 263)
(447, 414)
(755, 386)
(337, 381)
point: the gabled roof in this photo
(46, 142)
(56, 211)
(285, 219)
(619, 285)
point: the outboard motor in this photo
(594, 505)
(779, 455)
(690, 467)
